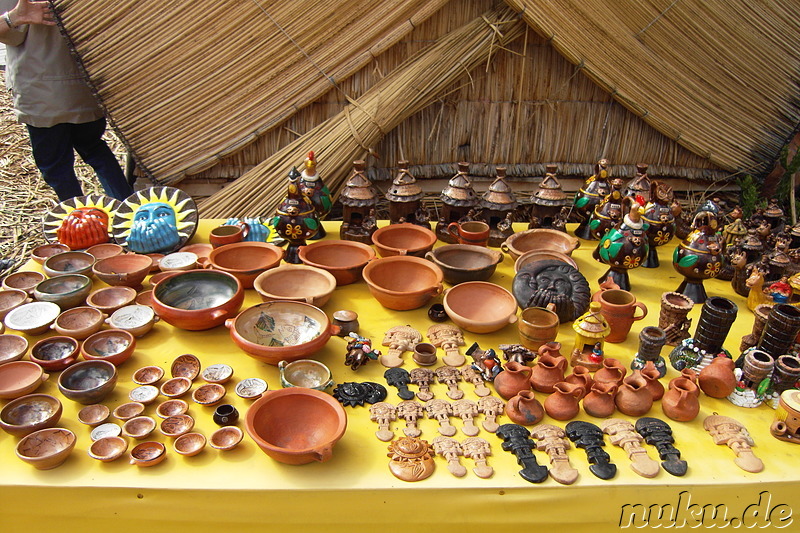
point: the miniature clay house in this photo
(498, 204)
(405, 199)
(458, 198)
(358, 199)
(591, 329)
(547, 201)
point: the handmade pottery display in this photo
(68, 291)
(79, 322)
(403, 239)
(189, 444)
(295, 218)
(554, 442)
(480, 306)
(148, 453)
(622, 433)
(633, 397)
(245, 260)
(514, 379)
(594, 189)
(732, 433)
(73, 262)
(548, 371)
(54, 354)
(464, 262)
(198, 299)
(680, 401)
(108, 449)
(523, 408)
(138, 427)
(32, 318)
(109, 299)
(403, 282)
(470, 232)
(46, 448)
(699, 256)
(209, 394)
(127, 270)
(41, 253)
(299, 283)
(359, 199)
(305, 373)
(624, 247)
(19, 378)
(599, 402)
(717, 379)
(177, 425)
(539, 239)
(155, 220)
(88, 382)
(563, 403)
(343, 259)
(11, 299)
(620, 309)
(611, 371)
(659, 214)
(30, 413)
(458, 199)
(552, 281)
(497, 207)
(590, 332)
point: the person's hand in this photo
(28, 12)
(148, 237)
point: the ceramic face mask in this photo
(154, 229)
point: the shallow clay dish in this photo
(88, 382)
(79, 322)
(540, 255)
(40, 254)
(177, 425)
(11, 299)
(69, 263)
(94, 414)
(136, 319)
(245, 260)
(109, 299)
(298, 283)
(226, 438)
(465, 262)
(480, 306)
(189, 444)
(251, 388)
(105, 250)
(209, 394)
(19, 378)
(12, 348)
(185, 366)
(172, 407)
(145, 394)
(25, 280)
(198, 299)
(108, 449)
(201, 250)
(46, 448)
(219, 373)
(403, 239)
(54, 354)
(32, 319)
(178, 261)
(540, 239)
(128, 270)
(343, 259)
(176, 387)
(113, 345)
(148, 375)
(30, 413)
(67, 291)
(402, 283)
(109, 429)
(148, 453)
(138, 427)
(128, 410)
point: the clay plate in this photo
(148, 453)
(46, 448)
(190, 444)
(175, 426)
(226, 438)
(145, 394)
(30, 413)
(138, 427)
(172, 407)
(109, 429)
(185, 366)
(93, 415)
(209, 394)
(251, 388)
(108, 449)
(148, 375)
(12, 347)
(219, 373)
(128, 410)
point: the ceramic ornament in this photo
(422, 378)
(312, 186)
(359, 199)
(470, 375)
(491, 407)
(448, 338)
(450, 376)
(590, 437)
(624, 247)
(155, 220)
(622, 434)
(699, 256)
(441, 410)
(659, 213)
(549, 202)
(497, 207)
(458, 198)
(467, 410)
(594, 189)
(359, 351)
(608, 213)
(399, 377)
(732, 433)
(450, 449)
(485, 362)
(411, 411)
(405, 199)
(516, 440)
(353, 394)
(657, 433)
(411, 459)
(81, 222)
(518, 353)
(554, 442)
(478, 450)
(399, 339)
(383, 414)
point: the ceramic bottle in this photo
(514, 379)
(633, 398)
(547, 372)
(525, 409)
(563, 403)
(680, 401)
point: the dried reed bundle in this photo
(350, 135)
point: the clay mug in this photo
(538, 326)
(228, 234)
(475, 232)
(619, 308)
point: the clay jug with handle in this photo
(599, 403)
(633, 398)
(547, 372)
(680, 402)
(563, 403)
(515, 378)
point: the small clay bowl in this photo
(12, 348)
(540, 255)
(202, 250)
(177, 425)
(138, 427)
(19, 378)
(108, 449)
(69, 263)
(185, 366)
(403, 239)
(156, 257)
(138, 320)
(148, 453)
(480, 306)
(25, 280)
(105, 250)
(403, 282)
(46, 448)
(94, 414)
(145, 394)
(298, 283)
(198, 299)
(178, 261)
(109, 429)
(189, 444)
(32, 319)
(113, 345)
(144, 298)
(128, 270)
(40, 254)
(343, 259)
(109, 299)
(128, 410)
(226, 438)
(171, 407)
(219, 373)
(245, 260)
(79, 322)
(148, 375)
(54, 354)
(251, 388)
(11, 299)
(176, 387)
(465, 262)
(88, 382)
(540, 239)
(30, 413)
(209, 394)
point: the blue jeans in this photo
(53, 153)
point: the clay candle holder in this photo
(403, 282)
(343, 259)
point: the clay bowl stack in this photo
(403, 282)
(245, 260)
(127, 270)
(465, 262)
(198, 299)
(403, 239)
(480, 306)
(541, 239)
(298, 283)
(343, 259)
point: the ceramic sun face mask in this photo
(156, 220)
(80, 222)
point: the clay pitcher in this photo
(620, 310)
(680, 402)
(538, 326)
(717, 379)
(612, 372)
(599, 403)
(515, 378)
(563, 403)
(525, 409)
(651, 374)
(581, 376)
(551, 348)
(691, 375)
(547, 372)
(633, 398)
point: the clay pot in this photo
(88, 382)
(581, 376)
(465, 262)
(67, 291)
(563, 403)
(345, 260)
(717, 379)
(652, 375)
(425, 354)
(403, 239)
(547, 372)
(524, 409)
(46, 448)
(299, 283)
(612, 372)
(109, 299)
(538, 326)
(69, 263)
(54, 354)
(225, 415)
(633, 398)
(79, 322)
(105, 250)
(41, 253)
(681, 402)
(472, 233)
(19, 378)
(539, 239)
(12, 347)
(402, 283)
(599, 403)
(198, 299)
(245, 260)
(30, 413)
(11, 299)
(513, 380)
(619, 308)
(24, 280)
(480, 306)
(113, 345)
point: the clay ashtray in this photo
(79, 322)
(189, 444)
(88, 382)
(480, 306)
(32, 319)
(198, 299)
(178, 261)
(11, 299)
(109, 429)
(30, 413)
(136, 319)
(46, 448)
(109, 299)
(138, 427)
(539, 239)
(42, 253)
(172, 407)
(251, 388)
(128, 410)
(69, 263)
(219, 373)
(465, 262)
(403, 239)
(148, 453)
(128, 270)
(343, 259)
(19, 378)
(105, 250)
(403, 282)
(298, 283)
(177, 425)
(93, 415)
(148, 375)
(226, 438)
(145, 394)
(108, 449)
(25, 280)
(67, 291)
(245, 260)
(209, 394)
(176, 387)
(185, 366)
(54, 354)
(113, 345)
(12, 347)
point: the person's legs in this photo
(52, 151)
(88, 142)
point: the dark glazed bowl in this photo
(54, 354)
(198, 299)
(88, 382)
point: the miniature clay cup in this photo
(296, 425)
(599, 403)
(299, 283)
(209, 394)
(189, 444)
(171, 407)
(32, 318)
(245, 260)
(425, 354)
(67, 291)
(480, 306)
(25, 280)
(539, 239)
(128, 410)
(345, 260)
(563, 404)
(148, 453)
(105, 250)
(176, 387)
(619, 308)
(46, 448)
(177, 425)
(12, 348)
(19, 378)
(136, 319)
(40, 254)
(305, 373)
(69, 263)
(108, 449)
(403, 239)
(30, 413)
(463, 262)
(109, 299)
(79, 322)
(128, 270)
(473, 232)
(514, 379)
(94, 414)
(228, 234)
(54, 354)
(538, 326)
(198, 299)
(88, 382)
(113, 345)
(403, 282)
(11, 299)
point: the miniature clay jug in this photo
(581, 376)
(525, 409)
(515, 378)
(547, 372)
(651, 374)
(613, 371)
(563, 403)
(717, 379)
(680, 402)
(552, 349)
(633, 398)
(599, 403)
(691, 375)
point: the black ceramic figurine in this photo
(659, 215)
(351, 393)
(592, 193)
(398, 377)
(552, 281)
(657, 433)
(295, 219)
(516, 439)
(590, 437)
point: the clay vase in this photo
(514, 379)
(680, 402)
(525, 409)
(651, 374)
(563, 403)
(717, 379)
(599, 403)
(547, 372)
(581, 376)
(633, 398)
(612, 372)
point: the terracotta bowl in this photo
(178, 261)
(19, 378)
(113, 345)
(12, 348)
(540, 255)
(298, 283)
(40, 254)
(69, 263)
(539, 239)
(156, 257)
(138, 427)
(176, 387)
(245, 260)
(108, 449)
(128, 410)
(105, 250)
(198, 299)
(148, 375)
(402, 283)
(94, 414)
(465, 262)
(480, 306)
(11, 299)
(30, 413)
(67, 291)
(219, 373)
(145, 394)
(137, 320)
(148, 453)
(54, 354)
(343, 259)
(226, 438)
(185, 366)
(177, 425)
(294, 330)
(296, 425)
(189, 444)
(209, 394)
(171, 407)
(46, 448)
(32, 319)
(403, 239)
(79, 322)
(128, 270)
(144, 298)
(88, 382)
(24, 280)
(109, 299)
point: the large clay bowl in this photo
(88, 382)
(403, 282)
(11, 299)
(403, 239)
(113, 345)
(465, 262)
(198, 299)
(298, 283)
(67, 291)
(19, 378)
(54, 354)
(40, 254)
(25, 280)
(343, 259)
(276, 331)
(32, 319)
(72, 262)
(128, 270)
(540, 239)
(296, 425)
(46, 448)
(105, 250)
(79, 322)
(109, 299)
(12, 348)
(30, 413)
(480, 306)
(540, 255)
(245, 260)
